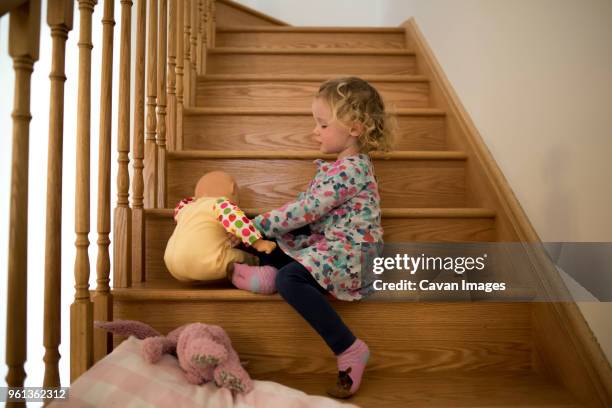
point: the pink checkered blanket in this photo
(125, 379)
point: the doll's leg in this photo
(308, 298)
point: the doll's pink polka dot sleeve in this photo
(235, 221)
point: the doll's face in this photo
(217, 184)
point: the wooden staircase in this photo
(252, 119)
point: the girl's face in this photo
(332, 136)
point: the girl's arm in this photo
(337, 186)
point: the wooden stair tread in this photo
(222, 290)
(309, 77)
(311, 155)
(386, 212)
(444, 389)
(308, 29)
(308, 51)
(292, 111)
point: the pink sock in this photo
(351, 365)
(256, 279)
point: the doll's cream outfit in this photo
(198, 248)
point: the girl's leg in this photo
(261, 279)
(308, 298)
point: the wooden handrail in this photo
(24, 33)
(81, 310)
(102, 299)
(59, 19)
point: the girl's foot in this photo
(256, 279)
(351, 365)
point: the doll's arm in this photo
(235, 221)
(182, 204)
(337, 186)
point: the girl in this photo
(322, 233)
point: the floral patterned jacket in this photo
(342, 207)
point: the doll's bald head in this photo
(217, 184)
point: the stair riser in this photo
(270, 183)
(403, 337)
(159, 229)
(311, 40)
(298, 64)
(298, 94)
(293, 132)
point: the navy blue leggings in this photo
(308, 298)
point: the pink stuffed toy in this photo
(204, 351)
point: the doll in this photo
(198, 249)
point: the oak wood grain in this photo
(408, 183)
(239, 93)
(322, 38)
(408, 337)
(400, 225)
(59, 19)
(359, 62)
(270, 131)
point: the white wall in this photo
(350, 13)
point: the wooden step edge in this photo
(253, 12)
(306, 78)
(140, 292)
(298, 112)
(310, 51)
(386, 212)
(310, 29)
(310, 155)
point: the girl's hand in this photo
(262, 245)
(232, 240)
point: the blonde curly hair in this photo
(351, 100)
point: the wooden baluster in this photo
(161, 104)
(187, 95)
(212, 26)
(150, 166)
(24, 33)
(122, 248)
(81, 310)
(171, 82)
(201, 39)
(59, 19)
(138, 147)
(180, 21)
(193, 47)
(103, 306)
